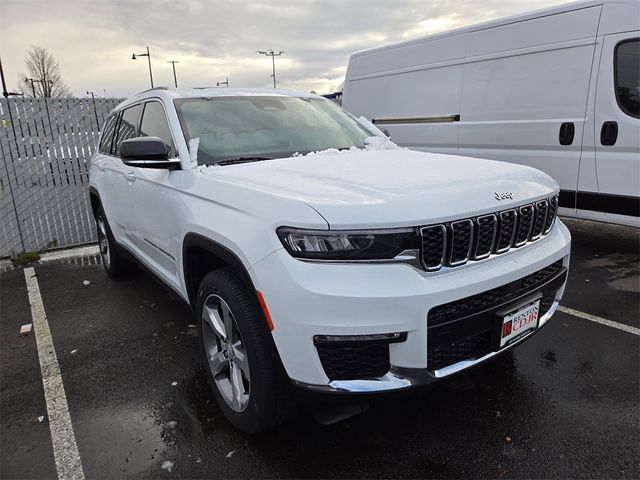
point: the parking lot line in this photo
(65, 449)
(600, 320)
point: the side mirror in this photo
(147, 152)
(374, 129)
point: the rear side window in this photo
(154, 124)
(627, 76)
(107, 135)
(128, 127)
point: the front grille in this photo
(507, 230)
(472, 347)
(434, 241)
(525, 222)
(455, 243)
(485, 235)
(465, 329)
(491, 298)
(461, 233)
(354, 361)
(540, 218)
(551, 214)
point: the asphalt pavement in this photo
(564, 404)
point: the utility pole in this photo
(47, 87)
(148, 55)
(273, 55)
(33, 88)
(173, 64)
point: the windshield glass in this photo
(271, 127)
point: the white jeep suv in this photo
(317, 256)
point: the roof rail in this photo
(154, 88)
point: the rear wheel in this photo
(113, 262)
(236, 354)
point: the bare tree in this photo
(43, 77)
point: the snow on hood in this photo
(370, 144)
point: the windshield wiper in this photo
(233, 161)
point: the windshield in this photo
(265, 127)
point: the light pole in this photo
(273, 55)
(5, 93)
(95, 110)
(148, 55)
(173, 64)
(226, 82)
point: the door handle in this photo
(609, 133)
(130, 176)
(567, 132)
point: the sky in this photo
(211, 39)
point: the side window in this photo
(128, 127)
(154, 124)
(627, 76)
(107, 135)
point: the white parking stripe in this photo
(65, 449)
(600, 320)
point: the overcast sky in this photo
(212, 39)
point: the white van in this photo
(557, 89)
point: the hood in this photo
(391, 188)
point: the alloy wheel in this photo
(226, 354)
(103, 242)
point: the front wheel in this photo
(236, 354)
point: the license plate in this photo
(518, 322)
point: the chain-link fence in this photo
(45, 145)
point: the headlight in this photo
(343, 245)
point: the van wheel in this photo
(113, 262)
(236, 355)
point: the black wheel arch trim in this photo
(232, 260)
(93, 191)
(218, 250)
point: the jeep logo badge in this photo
(504, 195)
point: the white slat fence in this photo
(45, 145)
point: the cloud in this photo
(93, 41)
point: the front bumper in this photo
(306, 300)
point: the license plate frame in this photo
(518, 313)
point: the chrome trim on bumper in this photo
(401, 378)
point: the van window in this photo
(154, 124)
(128, 127)
(627, 76)
(107, 135)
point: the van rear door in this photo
(617, 130)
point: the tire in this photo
(113, 262)
(236, 354)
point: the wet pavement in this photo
(563, 404)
